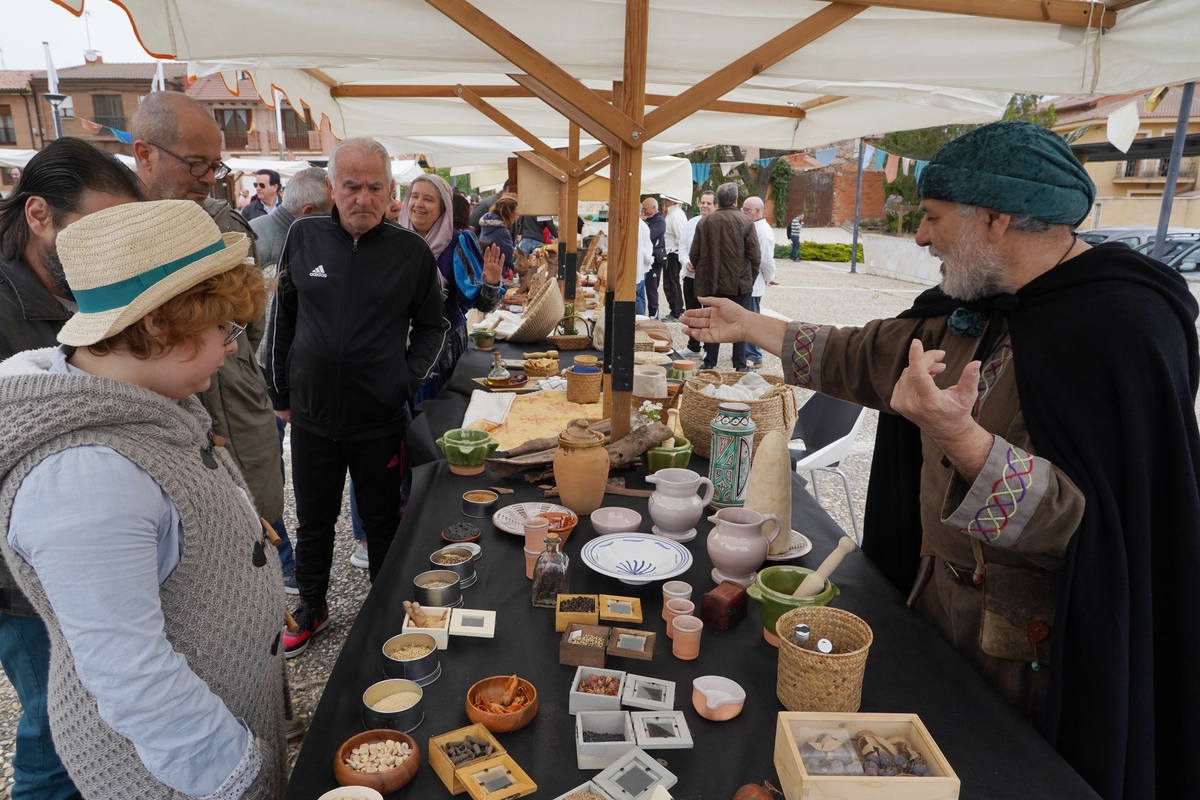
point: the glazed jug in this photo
(674, 506)
(738, 543)
(730, 449)
(581, 468)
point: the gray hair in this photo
(652, 201)
(306, 188)
(727, 194)
(158, 115)
(755, 202)
(364, 145)
(1015, 223)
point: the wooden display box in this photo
(794, 728)
(575, 655)
(630, 643)
(724, 606)
(441, 636)
(616, 608)
(564, 618)
(598, 755)
(496, 778)
(445, 768)
(587, 701)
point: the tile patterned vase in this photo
(729, 458)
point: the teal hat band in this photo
(122, 293)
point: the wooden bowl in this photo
(382, 782)
(492, 690)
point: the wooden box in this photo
(575, 655)
(630, 643)
(445, 768)
(654, 694)
(440, 635)
(598, 755)
(564, 618)
(794, 728)
(724, 606)
(587, 701)
(496, 778)
(616, 608)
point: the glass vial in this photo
(802, 636)
(550, 574)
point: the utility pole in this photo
(862, 151)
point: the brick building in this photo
(248, 124)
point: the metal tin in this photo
(404, 721)
(465, 570)
(479, 509)
(421, 671)
(443, 596)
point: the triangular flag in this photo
(701, 173)
(868, 154)
(825, 156)
(51, 73)
(1123, 126)
(122, 136)
(1156, 97)
(893, 164)
(906, 166)
(726, 166)
(91, 127)
(763, 162)
(880, 157)
(159, 84)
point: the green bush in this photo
(811, 251)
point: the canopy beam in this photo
(592, 124)
(541, 148)
(1076, 13)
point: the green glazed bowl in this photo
(466, 449)
(663, 457)
(483, 339)
(773, 588)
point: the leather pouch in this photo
(1012, 599)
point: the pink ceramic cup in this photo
(677, 608)
(675, 590)
(531, 561)
(536, 529)
(685, 644)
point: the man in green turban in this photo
(1044, 396)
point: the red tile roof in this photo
(14, 80)
(211, 88)
(172, 71)
(1083, 109)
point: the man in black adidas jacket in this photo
(356, 328)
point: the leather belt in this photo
(962, 575)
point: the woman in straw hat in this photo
(130, 528)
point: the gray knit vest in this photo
(222, 613)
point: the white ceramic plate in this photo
(799, 545)
(511, 519)
(636, 558)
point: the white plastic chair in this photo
(828, 427)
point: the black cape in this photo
(1105, 355)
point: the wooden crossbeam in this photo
(318, 75)
(562, 163)
(738, 72)
(584, 104)
(600, 154)
(591, 171)
(552, 98)
(823, 100)
(1080, 13)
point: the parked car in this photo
(1132, 235)
(1180, 254)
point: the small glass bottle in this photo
(498, 375)
(550, 574)
(824, 646)
(802, 635)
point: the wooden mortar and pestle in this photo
(814, 582)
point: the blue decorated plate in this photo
(636, 558)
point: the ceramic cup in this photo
(531, 561)
(685, 643)
(677, 608)
(536, 529)
(675, 590)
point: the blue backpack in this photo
(468, 266)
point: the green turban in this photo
(1012, 167)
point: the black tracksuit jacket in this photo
(356, 327)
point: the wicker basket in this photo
(583, 387)
(642, 343)
(572, 341)
(774, 411)
(542, 314)
(534, 371)
(811, 681)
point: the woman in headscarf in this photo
(470, 279)
(128, 525)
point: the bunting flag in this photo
(763, 162)
(867, 154)
(1123, 126)
(893, 164)
(726, 166)
(90, 127)
(251, 130)
(1156, 97)
(51, 72)
(906, 165)
(122, 136)
(700, 172)
(880, 157)
(825, 156)
(919, 168)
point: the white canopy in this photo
(16, 158)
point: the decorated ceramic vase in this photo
(729, 455)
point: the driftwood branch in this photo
(551, 442)
(621, 453)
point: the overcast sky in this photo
(25, 24)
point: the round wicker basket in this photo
(812, 681)
(541, 315)
(774, 411)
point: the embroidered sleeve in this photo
(998, 506)
(801, 354)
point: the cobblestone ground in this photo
(819, 292)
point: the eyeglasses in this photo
(234, 329)
(198, 168)
(260, 186)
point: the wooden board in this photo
(529, 387)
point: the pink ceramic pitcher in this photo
(674, 506)
(738, 543)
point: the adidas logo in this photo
(319, 272)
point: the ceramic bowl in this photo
(614, 519)
(479, 503)
(679, 455)
(717, 698)
(404, 720)
(772, 589)
(483, 339)
(636, 558)
(466, 449)
(351, 793)
(380, 783)
(492, 691)
(461, 533)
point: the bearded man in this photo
(1050, 456)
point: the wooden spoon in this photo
(814, 582)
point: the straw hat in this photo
(125, 261)
(673, 199)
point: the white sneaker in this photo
(360, 558)
(690, 353)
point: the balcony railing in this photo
(296, 141)
(1150, 169)
(112, 122)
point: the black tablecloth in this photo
(911, 667)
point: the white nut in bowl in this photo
(351, 793)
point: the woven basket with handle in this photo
(774, 411)
(812, 681)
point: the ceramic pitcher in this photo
(738, 543)
(674, 506)
(581, 468)
(732, 444)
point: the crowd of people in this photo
(156, 343)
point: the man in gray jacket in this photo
(67, 180)
(306, 194)
(725, 256)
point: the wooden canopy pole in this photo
(568, 210)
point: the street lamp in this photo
(55, 101)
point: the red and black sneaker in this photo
(309, 623)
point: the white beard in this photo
(971, 267)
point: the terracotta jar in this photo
(738, 543)
(581, 468)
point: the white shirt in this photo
(676, 223)
(645, 250)
(685, 245)
(766, 258)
